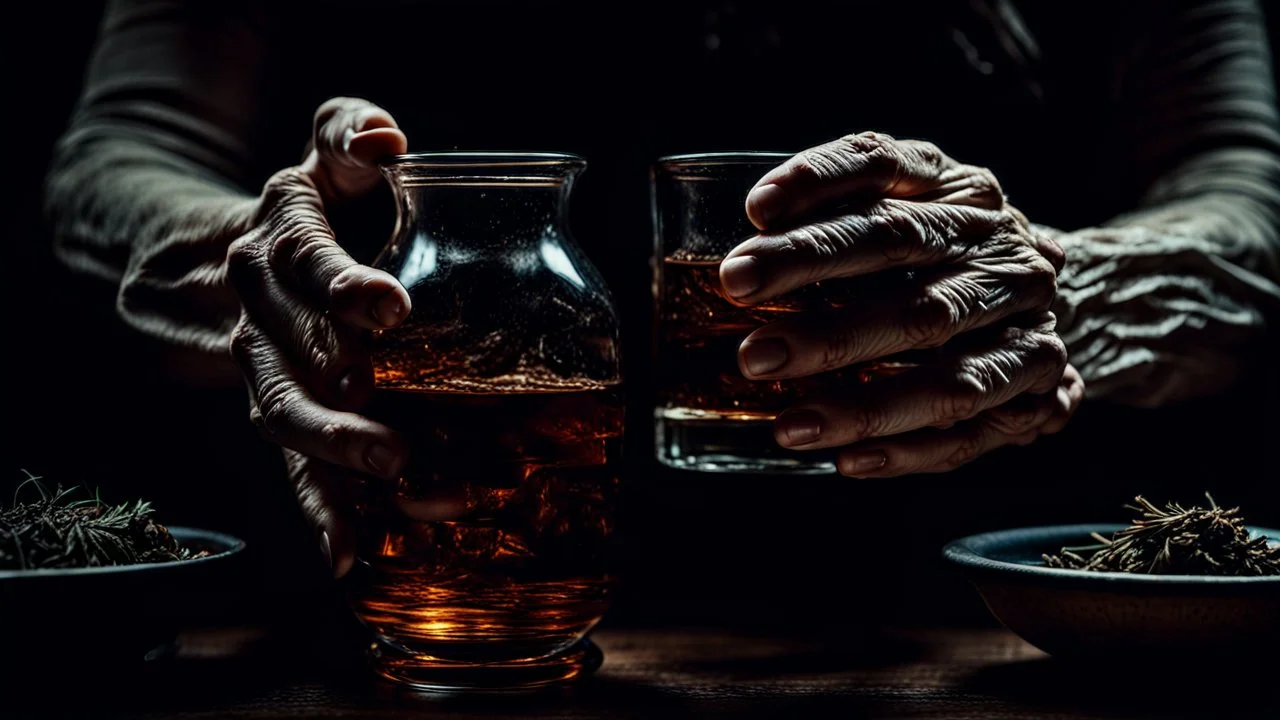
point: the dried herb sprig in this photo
(1176, 541)
(54, 532)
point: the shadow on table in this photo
(838, 653)
(602, 697)
(1244, 687)
(90, 687)
(770, 677)
(737, 674)
(590, 697)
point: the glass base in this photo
(724, 445)
(425, 674)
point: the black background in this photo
(86, 405)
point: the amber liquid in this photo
(699, 332)
(494, 545)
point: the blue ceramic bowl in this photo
(1074, 613)
(114, 616)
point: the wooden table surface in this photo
(670, 673)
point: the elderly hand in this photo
(306, 307)
(981, 280)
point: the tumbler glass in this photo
(709, 417)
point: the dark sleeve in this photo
(1171, 300)
(148, 184)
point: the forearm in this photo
(1173, 301)
(146, 189)
(158, 227)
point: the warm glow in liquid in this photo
(494, 545)
(699, 332)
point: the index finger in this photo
(867, 165)
(890, 233)
(301, 246)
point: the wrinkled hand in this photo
(306, 309)
(981, 280)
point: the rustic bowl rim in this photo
(974, 553)
(227, 546)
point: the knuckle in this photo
(962, 398)
(301, 244)
(1048, 360)
(863, 143)
(1016, 417)
(276, 404)
(867, 144)
(931, 319)
(283, 185)
(1051, 351)
(241, 343)
(810, 249)
(337, 438)
(848, 155)
(1046, 246)
(241, 256)
(344, 287)
(1044, 278)
(875, 153)
(842, 345)
(929, 156)
(969, 448)
(812, 166)
(335, 110)
(900, 232)
(284, 191)
(864, 423)
(880, 152)
(320, 348)
(331, 107)
(1051, 250)
(1007, 225)
(986, 187)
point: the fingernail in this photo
(740, 276)
(864, 462)
(763, 356)
(798, 427)
(769, 202)
(379, 458)
(390, 310)
(324, 548)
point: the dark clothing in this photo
(1165, 110)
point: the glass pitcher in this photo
(487, 563)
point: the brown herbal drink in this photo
(708, 414)
(494, 545)
(699, 332)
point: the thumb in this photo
(350, 136)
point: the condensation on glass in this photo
(485, 565)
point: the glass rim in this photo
(483, 159)
(723, 158)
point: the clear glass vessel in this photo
(709, 417)
(487, 563)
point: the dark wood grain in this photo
(668, 673)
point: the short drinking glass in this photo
(708, 416)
